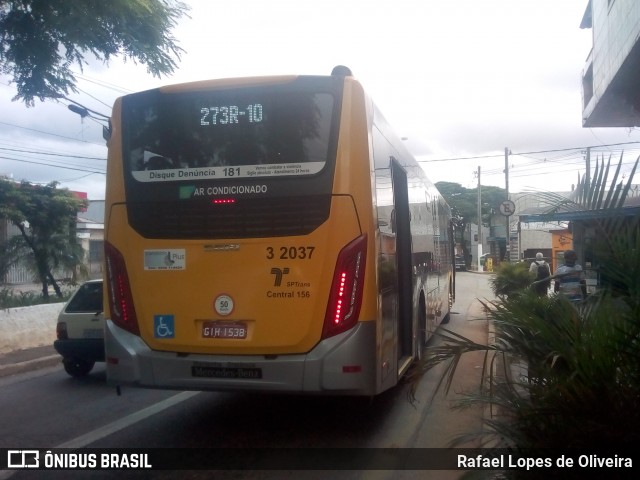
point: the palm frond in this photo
(448, 354)
(557, 374)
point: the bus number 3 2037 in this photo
(290, 253)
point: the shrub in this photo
(11, 298)
(511, 278)
(560, 374)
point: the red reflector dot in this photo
(351, 368)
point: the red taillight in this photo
(61, 331)
(121, 305)
(346, 289)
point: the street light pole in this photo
(83, 111)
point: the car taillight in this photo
(346, 289)
(61, 331)
(123, 312)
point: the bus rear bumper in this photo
(343, 364)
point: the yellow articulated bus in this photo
(268, 234)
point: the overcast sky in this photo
(461, 79)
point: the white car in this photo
(80, 330)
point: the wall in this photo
(27, 327)
(616, 26)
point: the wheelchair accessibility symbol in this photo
(163, 326)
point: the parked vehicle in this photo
(459, 262)
(80, 330)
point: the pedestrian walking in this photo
(570, 279)
(542, 273)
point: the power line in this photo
(36, 156)
(52, 154)
(577, 148)
(22, 147)
(525, 153)
(75, 179)
(20, 157)
(53, 165)
(535, 165)
(459, 158)
(102, 83)
(52, 134)
(95, 98)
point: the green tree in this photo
(40, 40)
(464, 206)
(46, 218)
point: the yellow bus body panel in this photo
(354, 175)
(284, 318)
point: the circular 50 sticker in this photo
(223, 305)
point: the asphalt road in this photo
(48, 409)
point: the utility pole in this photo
(506, 170)
(479, 220)
(507, 227)
(588, 172)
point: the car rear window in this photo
(88, 298)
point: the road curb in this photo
(29, 365)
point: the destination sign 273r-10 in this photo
(230, 114)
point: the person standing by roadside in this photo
(570, 279)
(542, 273)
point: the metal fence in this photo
(17, 275)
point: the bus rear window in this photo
(222, 134)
